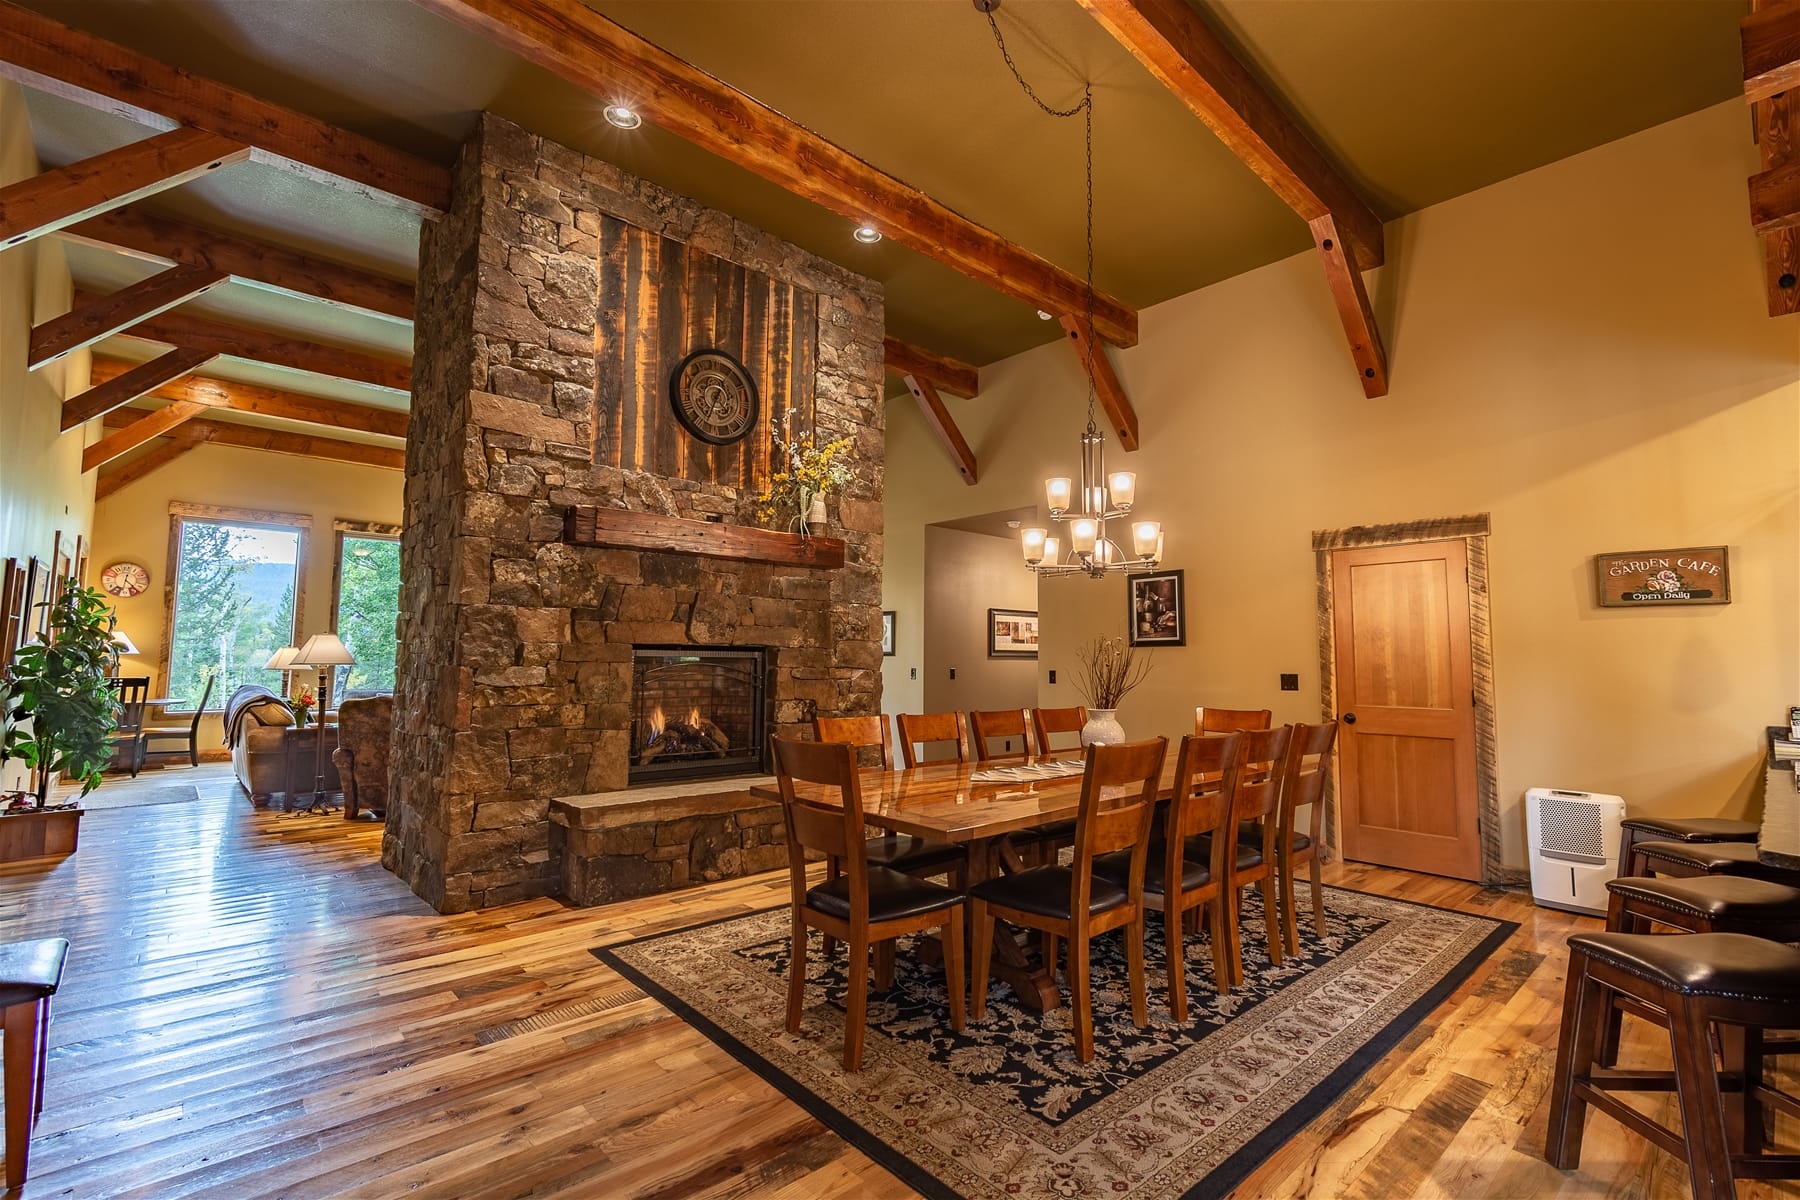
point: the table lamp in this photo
(324, 651)
(283, 660)
(122, 646)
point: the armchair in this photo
(365, 730)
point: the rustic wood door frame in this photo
(1473, 530)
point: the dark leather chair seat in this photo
(1046, 891)
(1248, 855)
(1725, 898)
(906, 853)
(1116, 868)
(1736, 966)
(1714, 858)
(31, 970)
(892, 896)
(1059, 831)
(1250, 834)
(1691, 829)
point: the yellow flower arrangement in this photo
(809, 470)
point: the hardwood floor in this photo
(254, 1008)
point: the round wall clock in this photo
(125, 579)
(714, 397)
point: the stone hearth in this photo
(556, 294)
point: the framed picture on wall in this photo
(1158, 615)
(1012, 633)
(887, 633)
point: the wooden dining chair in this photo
(919, 729)
(1258, 812)
(1046, 721)
(1000, 723)
(188, 738)
(128, 735)
(1176, 884)
(1230, 720)
(901, 851)
(1303, 775)
(1073, 903)
(866, 905)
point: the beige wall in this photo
(42, 488)
(1581, 351)
(965, 575)
(133, 523)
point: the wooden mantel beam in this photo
(938, 417)
(577, 44)
(49, 56)
(1107, 388)
(258, 345)
(199, 430)
(1775, 116)
(950, 375)
(158, 239)
(265, 401)
(61, 197)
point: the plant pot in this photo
(1102, 728)
(39, 833)
(815, 516)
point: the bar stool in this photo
(1684, 860)
(30, 973)
(1633, 830)
(1693, 985)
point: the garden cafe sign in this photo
(1697, 575)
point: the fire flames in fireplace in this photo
(695, 737)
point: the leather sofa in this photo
(365, 731)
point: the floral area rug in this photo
(1005, 1109)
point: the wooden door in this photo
(1406, 706)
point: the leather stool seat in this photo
(30, 973)
(1691, 829)
(1719, 899)
(1734, 966)
(1711, 858)
(31, 970)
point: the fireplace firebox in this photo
(697, 712)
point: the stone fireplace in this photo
(559, 520)
(697, 713)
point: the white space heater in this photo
(1574, 840)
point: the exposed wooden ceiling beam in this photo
(1776, 120)
(159, 239)
(266, 401)
(141, 467)
(1771, 41)
(142, 427)
(60, 197)
(129, 385)
(1351, 300)
(577, 44)
(1775, 198)
(258, 345)
(49, 56)
(249, 437)
(106, 315)
(949, 374)
(938, 417)
(1181, 50)
(1107, 388)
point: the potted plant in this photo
(1109, 670)
(58, 710)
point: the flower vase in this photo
(301, 717)
(1102, 728)
(815, 516)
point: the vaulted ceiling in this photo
(1415, 101)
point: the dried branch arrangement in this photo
(1109, 670)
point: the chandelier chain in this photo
(1085, 109)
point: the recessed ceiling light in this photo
(868, 235)
(622, 117)
(1042, 315)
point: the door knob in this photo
(1349, 718)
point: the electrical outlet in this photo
(953, 672)
(914, 674)
(1053, 675)
(1290, 682)
(1006, 745)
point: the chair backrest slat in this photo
(133, 691)
(917, 728)
(1046, 721)
(1307, 767)
(1230, 720)
(1260, 755)
(810, 825)
(1118, 801)
(860, 732)
(1206, 776)
(999, 723)
(200, 708)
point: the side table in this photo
(298, 746)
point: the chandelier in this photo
(1102, 498)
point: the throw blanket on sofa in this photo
(257, 703)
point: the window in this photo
(368, 608)
(235, 602)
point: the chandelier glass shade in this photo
(1103, 498)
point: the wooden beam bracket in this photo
(1771, 35)
(1111, 393)
(1352, 302)
(938, 417)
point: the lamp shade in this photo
(123, 643)
(282, 659)
(324, 650)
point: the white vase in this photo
(815, 516)
(1102, 728)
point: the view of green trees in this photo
(234, 606)
(368, 606)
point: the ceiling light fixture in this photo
(1042, 315)
(622, 117)
(868, 235)
(1103, 497)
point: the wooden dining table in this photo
(942, 802)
